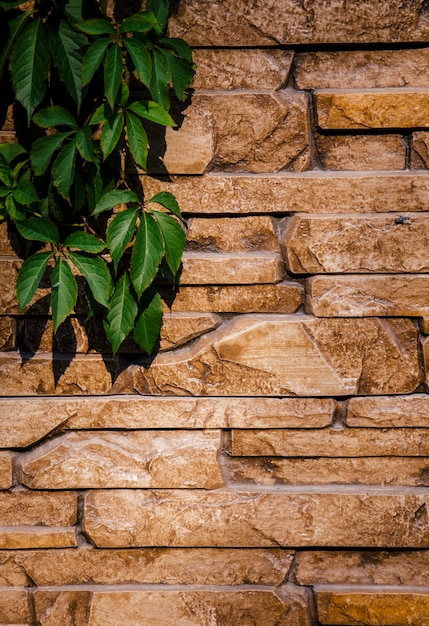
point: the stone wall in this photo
(270, 465)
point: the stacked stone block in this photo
(270, 464)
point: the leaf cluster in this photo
(65, 188)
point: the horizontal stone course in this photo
(241, 268)
(361, 152)
(227, 234)
(385, 412)
(27, 509)
(15, 538)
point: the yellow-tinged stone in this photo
(68, 608)
(424, 325)
(375, 108)
(6, 244)
(183, 518)
(420, 150)
(328, 442)
(181, 566)
(5, 470)
(360, 296)
(240, 268)
(18, 538)
(82, 460)
(372, 607)
(7, 333)
(385, 412)
(361, 152)
(357, 244)
(227, 234)
(14, 607)
(28, 508)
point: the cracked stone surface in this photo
(14, 607)
(420, 150)
(385, 412)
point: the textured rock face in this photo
(361, 152)
(206, 268)
(5, 470)
(384, 412)
(226, 234)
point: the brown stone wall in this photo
(270, 465)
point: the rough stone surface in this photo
(413, 472)
(361, 152)
(424, 325)
(306, 356)
(347, 109)
(232, 23)
(361, 69)
(7, 242)
(68, 608)
(425, 345)
(241, 268)
(328, 442)
(241, 69)
(7, 333)
(227, 234)
(27, 508)
(349, 244)
(420, 150)
(310, 192)
(285, 297)
(5, 470)
(193, 566)
(373, 607)
(14, 607)
(37, 537)
(253, 519)
(362, 296)
(385, 412)
(136, 459)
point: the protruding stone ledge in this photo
(385, 412)
(18, 538)
(254, 234)
(361, 152)
(211, 268)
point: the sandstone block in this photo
(413, 472)
(363, 568)
(5, 470)
(6, 243)
(372, 607)
(232, 23)
(7, 333)
(241, 69)
(181, 518)
(310, 192)
(135, 459)
(385, 412)
(361, 152)
(8, 137)
(36, 537)
(425, 345)
(187, 566)
(382, 243)
(284, 297)
(14, 607)
(286, 356)
(328, 442)
(424, 325)
(420, 150)
(360, 296)
(400, 108)
(362, 69)
(227, 234)
(69, 608)
(241, 268)
(26, 508)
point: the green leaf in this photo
(140, 23)
(111, 132)
(148, 250)
(149, 322)
(25, 193)
(152, 111)
(11, 151)
(113, 198)
(6, 176)
(141, 59)
(160, 8)
(179, 46)
(64, 292)
(119, 233)
(174, 239)
(14, 27)
(123, 311)
(43, 150)
(67, 47)
(182, 74)
(97, 275)
(101, 114)
(85, 144)
(74, 8)
(30, 275)
(97, 26)
(112, 73)
(124, 94)
(161, 78)
(137, 139)
(15, 212)
(93, 58)
(167, 200)
(30, 65)
(86, 242)
(63, 169)
(54, 116)
(39, 229)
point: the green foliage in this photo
(65, 188)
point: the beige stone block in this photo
(34, 418)
(14, 606)
(234, 23)
(361, 152)
(181, 518)
(420, 150)
(363, 568)
(362, 295)
(385, 412)
(7, 333)
(241, 69)
(425, 345)
(7, 241)
(227, 234)
(372, 607)
(8, 271)
(376, 108)
(8, 137)
(362, 69)
(309, 192)
(357, 244)
(287, 356)
(408, 471)
(181, 566)
(27, 508)
(285, 297)
(7, 114)
(348, 442)
(68, 608)
(242, 268)
(102, 460)
(5, 470)
(20, 538)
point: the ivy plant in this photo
(66, 187)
